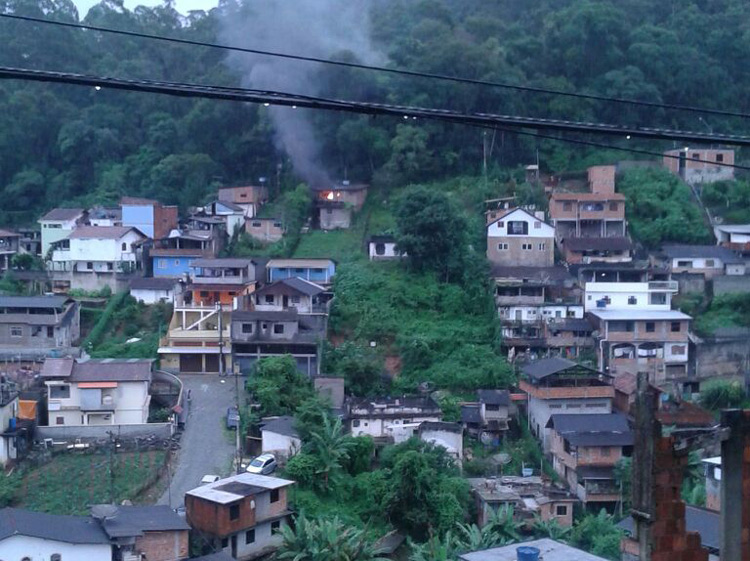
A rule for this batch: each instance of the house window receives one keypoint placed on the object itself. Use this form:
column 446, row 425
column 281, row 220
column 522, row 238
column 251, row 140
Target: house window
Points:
column 109, row 266
column 256, row 224
column 678, row 350
column 278, row 328
column 657, row 298
column 275, row 525
column 675, row 327
column 176, row 262
column 16, row 331
column 502, row 246
column 561, row 510
column 329, row 211
column 224, row 543
column 709, row 263
column 632, row 300
column 490, row 407
column 247, row 327
column 542, row 246
column 274, row 495
column 250, row 536
column 234, row 512
column 379, row 249
column 295, row 300
column 355, row 423
column 89, row 265
column 59, row 392
column 568, row 206
column 650, row 327
column 60, row 420
column 124, row 246
column 162, row 264
column 537, row 225
column 526, row 246
column 269, row 298
column 719, row 157
column 685, row 264
column 50, row 331
column 518, row 228
column 277, row 224
column 696, row 155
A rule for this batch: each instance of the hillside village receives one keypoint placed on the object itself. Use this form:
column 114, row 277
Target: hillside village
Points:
column 300, row 316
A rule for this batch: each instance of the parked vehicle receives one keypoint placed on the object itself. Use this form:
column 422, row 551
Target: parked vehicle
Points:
column 263, row 464
column 209, row 479
column 233, row 418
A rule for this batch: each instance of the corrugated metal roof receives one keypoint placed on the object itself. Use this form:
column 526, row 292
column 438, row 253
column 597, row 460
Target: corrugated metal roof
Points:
column 701, row 251
column 214, row 492
column 57, row 368
column 299, row 263
column 233, row 263
column 110, row 369
column 101, row 232
column 494, row 397
column 134, row 520
column 295, row 283
column 33, row 301
column 638, row 314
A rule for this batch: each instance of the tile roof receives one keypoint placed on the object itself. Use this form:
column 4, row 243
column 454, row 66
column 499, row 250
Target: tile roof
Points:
column 708, row 251
column 548, row 366
column 138, row 201
column 9, row 234
column 494, row 397
column 705, row 522
column 61, row 214
column 228, row 262
column 299, row 285
column 280, row 425
column 33, row 301
column 68, row 529
column 101, row 232
column 153, row 283
column 134, row 520
column 98, row 370
column 597, row 244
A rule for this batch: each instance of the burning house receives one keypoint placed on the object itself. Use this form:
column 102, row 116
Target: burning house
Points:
column 336, row 204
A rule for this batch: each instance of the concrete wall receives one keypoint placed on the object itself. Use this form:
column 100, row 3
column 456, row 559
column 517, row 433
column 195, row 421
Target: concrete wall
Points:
column 335, row 218
column 139, row 216
column 71, row 432
column 389, row 251
column 264, row 229
column 175, row 266
column 540, row 410
column 689, row 282
column 266, row 540
column 163, row 546
column 521, row 250
column 280, row 444
column 37, row 549
column 724, row 358
column 731, row 284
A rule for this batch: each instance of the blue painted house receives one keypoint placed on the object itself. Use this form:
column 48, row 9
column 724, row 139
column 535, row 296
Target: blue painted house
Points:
column 149, row 216
column 173, row 262
column 319, row 271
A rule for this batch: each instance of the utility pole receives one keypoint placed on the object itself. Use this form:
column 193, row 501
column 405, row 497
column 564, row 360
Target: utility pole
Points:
column 111, row 467
column 237, row 442
column 221, row 341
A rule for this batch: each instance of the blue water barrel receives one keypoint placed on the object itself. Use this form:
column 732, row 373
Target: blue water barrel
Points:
column 526, row 553
column 12, row 423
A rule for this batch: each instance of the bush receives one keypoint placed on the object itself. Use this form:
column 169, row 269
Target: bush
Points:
column 720, row 394
column 303, row 469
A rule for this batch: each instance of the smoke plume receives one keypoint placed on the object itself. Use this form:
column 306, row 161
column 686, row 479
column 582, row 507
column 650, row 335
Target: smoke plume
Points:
column 317, row 28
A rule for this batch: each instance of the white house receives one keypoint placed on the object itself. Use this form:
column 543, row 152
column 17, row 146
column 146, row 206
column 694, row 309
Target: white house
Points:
column 517, row 237
column 156, row 289
column 58, row 223
column 291, row 293
column 733, row 236
column 91, row 256
column 381, row 248
column 279, row 437
column 381, row 417
column 97, row 391
column 37, row 536
column 232, row 214
column 709, row 260
column 8, row 411
column 652, row 295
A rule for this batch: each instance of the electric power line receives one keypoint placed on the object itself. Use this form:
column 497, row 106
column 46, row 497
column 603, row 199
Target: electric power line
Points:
column 403, row 72
column 294, row 101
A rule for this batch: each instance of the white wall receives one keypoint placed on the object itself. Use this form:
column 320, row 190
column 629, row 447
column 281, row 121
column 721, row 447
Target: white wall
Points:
column 451, row 441
column 543, row 230
column 378, row 427
column 280, row 444
column 265, row 539
column 698, row 263
column 131, row 401
column 89, row 249
column 16, row 548
column 150, row 296
column 619, row 294
column 390, row 251
column 534, row 313
column 7, row 445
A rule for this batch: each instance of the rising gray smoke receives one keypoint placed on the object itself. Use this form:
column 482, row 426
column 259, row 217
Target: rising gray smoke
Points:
column 317, row 28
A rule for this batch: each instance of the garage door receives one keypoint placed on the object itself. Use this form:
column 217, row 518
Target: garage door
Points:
column 212, row 363
column 191, row 363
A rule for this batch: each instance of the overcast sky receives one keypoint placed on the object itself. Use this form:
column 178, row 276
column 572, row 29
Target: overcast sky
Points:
column 182, row 6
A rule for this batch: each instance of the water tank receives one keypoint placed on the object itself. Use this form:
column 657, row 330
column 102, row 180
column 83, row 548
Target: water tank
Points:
column 526, row 553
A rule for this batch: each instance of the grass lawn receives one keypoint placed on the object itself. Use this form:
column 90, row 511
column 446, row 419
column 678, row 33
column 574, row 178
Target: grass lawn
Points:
column 72, row 482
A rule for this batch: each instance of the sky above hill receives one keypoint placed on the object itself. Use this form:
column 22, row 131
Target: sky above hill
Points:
column 182, row 6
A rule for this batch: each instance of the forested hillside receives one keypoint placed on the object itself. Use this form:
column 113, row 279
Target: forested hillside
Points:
column 64, row 144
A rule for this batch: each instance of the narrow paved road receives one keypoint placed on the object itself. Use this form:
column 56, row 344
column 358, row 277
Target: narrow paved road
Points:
column 205, row 447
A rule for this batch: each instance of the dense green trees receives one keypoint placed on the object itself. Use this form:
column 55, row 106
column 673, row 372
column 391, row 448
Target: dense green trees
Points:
column 278, row 386
column 325, row 539
column 64, row 144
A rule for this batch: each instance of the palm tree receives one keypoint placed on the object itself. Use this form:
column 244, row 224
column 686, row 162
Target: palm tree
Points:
column 325, row 539
column 434, row 549
column 330, row 446
column 550, row 529
column 472, row 538
column 503, row 522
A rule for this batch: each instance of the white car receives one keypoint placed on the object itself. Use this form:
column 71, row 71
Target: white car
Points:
column 209, row 479
column 263, row 464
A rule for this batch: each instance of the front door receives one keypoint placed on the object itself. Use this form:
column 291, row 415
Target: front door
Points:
column 234, row 546
column 286, row 301
column 519, row 315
